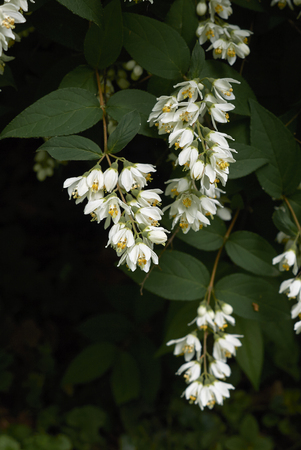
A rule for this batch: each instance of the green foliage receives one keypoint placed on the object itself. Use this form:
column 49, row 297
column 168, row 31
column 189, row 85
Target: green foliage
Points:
column 251, row 252
column 69, row 148
column 90, row 364
column 197, row 62
column 88, row 9
column 250, row 354
column 252, row 298
column 209, row 238
column 126, row 130
column 179, row 277
column 103, row 43
column 63, row 112
column 82, row 77
column 130, row 100
column 155, row 46
column 248, row 159
column 182, row 18
column 125, row 379
column 280, row 176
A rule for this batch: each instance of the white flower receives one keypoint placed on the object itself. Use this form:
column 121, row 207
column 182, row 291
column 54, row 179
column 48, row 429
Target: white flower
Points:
column 110, row 178
column 139, row 254
column 190, row 90
column 149, row 197
column 192, row 371
column 282, row 3
column 157, row 235
column 188, row 113
column 296, row 310
column 20, row 3
column 219, row 369
column 177, row 186
column 149, row 215
column 208, row 393
column 225, row 346
column 165, row 104
column 180, row 137
column 120, row 237
column 108, row 207
column 188, row 156
column 136, row 176
column 220, row 7
column 297, row 327
column 218, row 110
column 208, row 31
column 221, row 319
column 291, row 287
column 222, row 88
column 187, row 346
column 205, row 317
column 287, row 260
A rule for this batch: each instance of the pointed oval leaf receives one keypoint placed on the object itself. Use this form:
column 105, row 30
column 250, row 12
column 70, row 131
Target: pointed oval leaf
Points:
column 197, row 62
column 252, row 252
column 208, row 238
column 133, row 100
column 282, row 174
column 178, row 277
column 125, row 379
column 252, row 298
column 103, row 44
column 156, row 46
column 250, row 355
column 71, row 148
column 125, row 131
column 63, row 112
column 90, row 364
column 88, row 9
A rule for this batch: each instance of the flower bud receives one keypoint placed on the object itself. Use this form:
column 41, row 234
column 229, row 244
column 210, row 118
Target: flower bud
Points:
column 226, row 308
column 201, row 8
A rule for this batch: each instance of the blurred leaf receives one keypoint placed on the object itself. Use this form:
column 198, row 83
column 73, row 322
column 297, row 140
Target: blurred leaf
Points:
column 182, row 17
column 155, row 46
column 250, row 354
column 90, row 364
column 251, row 252
column 208, row 238
column 63, row 112
column 103, row 44
column 252, row 298
column 76, row 148
column 125, row 378
column 125, row 131
column 88, row 9
column 282, row 220
column 8, row 443
column 249, row 428
column 130, row 100
column 282, row 174
column 87, row 419
column 178, row 277
column 254, row 5
column 47, row 442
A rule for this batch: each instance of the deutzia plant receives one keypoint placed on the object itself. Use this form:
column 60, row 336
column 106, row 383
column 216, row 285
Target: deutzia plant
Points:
column 164, row 135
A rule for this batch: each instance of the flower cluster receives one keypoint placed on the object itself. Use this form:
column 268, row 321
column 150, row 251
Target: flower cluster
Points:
column 290, row 259
column 10, row 14
column 204, row 373
column 227, row 41
column 120, row 198
column 204, row 153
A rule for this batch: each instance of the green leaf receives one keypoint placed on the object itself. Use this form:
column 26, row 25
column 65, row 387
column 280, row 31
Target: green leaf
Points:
column 63, row 112
column 182, row 17
column 87, row 420
column 90, row 364
column 282, row 174
column 250, row 355
column 103, row 44
column 155, row 46
column 249, row 428
column 252, row 298
column 128, row 100
column 82, row 77
column 247, row 158
column 235, row 443
column 125, row 131
column 282, row 220
column 125, row 378
column 88, row 9
column 208, row 238
column 295, row 202
column 157, row 85
column 252, row 252
column 71, row 148
column 197, row 62
column 112, row 327
column 8, row 443
column 178, row 277
column 242, row 91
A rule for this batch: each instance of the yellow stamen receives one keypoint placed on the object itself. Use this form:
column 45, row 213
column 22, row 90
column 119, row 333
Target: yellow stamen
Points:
column 187, row 202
